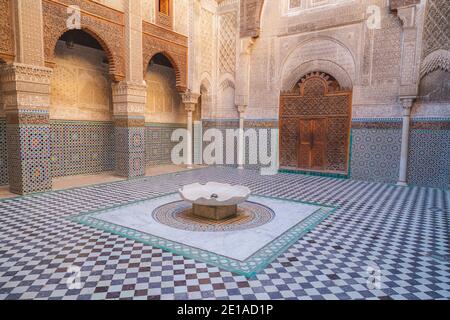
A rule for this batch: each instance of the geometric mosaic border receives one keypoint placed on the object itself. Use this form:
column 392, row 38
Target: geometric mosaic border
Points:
column 248, row 268
column 3, row 154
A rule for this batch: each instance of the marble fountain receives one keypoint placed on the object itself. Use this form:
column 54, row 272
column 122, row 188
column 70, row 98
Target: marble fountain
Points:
column 213, row 200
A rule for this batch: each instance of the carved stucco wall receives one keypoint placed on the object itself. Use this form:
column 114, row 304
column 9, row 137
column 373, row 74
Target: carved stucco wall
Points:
column 434, row 86
column 163, row 100
column 173, row 45
column 330, row 38
column 148, row 10
column 203, row 53
column 115, row 4
column 206, row 41
column 6, row 31
column 180, row 16
column 105, row 24
column 80, row 85
column 226, row 50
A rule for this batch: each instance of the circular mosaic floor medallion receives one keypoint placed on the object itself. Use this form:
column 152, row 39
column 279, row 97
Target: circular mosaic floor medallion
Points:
column 179, row 215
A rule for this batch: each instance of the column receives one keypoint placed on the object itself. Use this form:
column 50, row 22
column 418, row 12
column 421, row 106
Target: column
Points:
column 241, row 141
column 409, row 72
column 242, row 92
column 129, row 128
column 243, row 71
column 407, row 103
column 26, row 93
column 129, row 100
column 189, row 99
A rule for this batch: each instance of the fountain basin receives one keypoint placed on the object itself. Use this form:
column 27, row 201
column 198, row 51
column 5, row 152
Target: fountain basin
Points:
column 213, row 200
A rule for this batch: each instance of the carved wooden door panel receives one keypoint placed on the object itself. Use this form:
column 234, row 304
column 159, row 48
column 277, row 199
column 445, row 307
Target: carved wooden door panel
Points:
column 315, row 119
column 319, row 143
column 305, row 144
column 312, row 144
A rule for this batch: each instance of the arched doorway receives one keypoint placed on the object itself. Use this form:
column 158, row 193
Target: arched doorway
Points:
column 82, row 133
column 164, row 110
column 315, row 125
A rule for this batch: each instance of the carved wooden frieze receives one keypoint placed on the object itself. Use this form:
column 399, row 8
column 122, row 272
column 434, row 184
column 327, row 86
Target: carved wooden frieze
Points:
column 395, row 4
column 105, row 24
column 250, row 17
column 173, row 45
column 6, row 31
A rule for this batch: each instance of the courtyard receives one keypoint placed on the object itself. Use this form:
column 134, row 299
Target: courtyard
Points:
column 381, row 242
column 251, row 150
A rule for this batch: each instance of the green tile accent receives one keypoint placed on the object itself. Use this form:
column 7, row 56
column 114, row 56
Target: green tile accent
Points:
column 317, row 174
column 248, row 268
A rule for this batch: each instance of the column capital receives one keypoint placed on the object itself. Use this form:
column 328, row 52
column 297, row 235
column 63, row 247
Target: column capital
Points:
column 125, row 86
column 28, row 72
column 242, row 109
column 246, row 45
column 189, row 97
column 407, row 103
column 129, row 98
column 408, row 16
column 25, row 86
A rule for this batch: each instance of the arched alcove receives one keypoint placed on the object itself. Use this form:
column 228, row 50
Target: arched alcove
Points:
column 164, row 110
column 81, row 106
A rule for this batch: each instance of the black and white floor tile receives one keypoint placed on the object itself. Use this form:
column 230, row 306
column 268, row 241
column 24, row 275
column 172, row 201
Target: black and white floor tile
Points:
column 384, row 242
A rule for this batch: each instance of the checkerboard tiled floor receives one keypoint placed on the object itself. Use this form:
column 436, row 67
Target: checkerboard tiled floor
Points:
column 401, row 233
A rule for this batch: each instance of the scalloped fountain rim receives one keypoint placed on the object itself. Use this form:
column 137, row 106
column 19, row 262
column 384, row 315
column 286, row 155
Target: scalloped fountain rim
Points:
column 214, row 194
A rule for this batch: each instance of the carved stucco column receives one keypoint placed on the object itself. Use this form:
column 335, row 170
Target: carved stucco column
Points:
column 407, row 103
column 26, row 90
column 409, row 72
column 409, row 77
column 190, row 100
column 129, row 122
column 26, row 97
column 241, row 142
column 242, row 92
column 243, row 72
column 129, row 100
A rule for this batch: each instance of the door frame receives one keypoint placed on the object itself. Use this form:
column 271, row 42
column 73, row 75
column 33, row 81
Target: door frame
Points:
column 347, row 143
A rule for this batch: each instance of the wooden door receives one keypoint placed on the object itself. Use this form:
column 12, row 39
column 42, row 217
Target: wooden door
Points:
column 312, row 144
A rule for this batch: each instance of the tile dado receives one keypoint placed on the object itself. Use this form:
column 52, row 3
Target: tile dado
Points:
column 251, row 154
column 158, row 144
column 80, row 147
column 3, row 154
column 429, row 158
column 376, row 151
column 429, row 153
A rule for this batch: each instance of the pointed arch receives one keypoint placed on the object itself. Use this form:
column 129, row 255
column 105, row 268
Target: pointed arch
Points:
column 104, row 24
column 178, row 75
column 109, row 54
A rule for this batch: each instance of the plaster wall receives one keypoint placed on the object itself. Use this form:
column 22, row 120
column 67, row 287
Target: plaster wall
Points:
column 80, row 85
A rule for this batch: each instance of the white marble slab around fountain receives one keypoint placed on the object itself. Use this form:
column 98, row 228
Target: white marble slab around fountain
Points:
column 239, row 244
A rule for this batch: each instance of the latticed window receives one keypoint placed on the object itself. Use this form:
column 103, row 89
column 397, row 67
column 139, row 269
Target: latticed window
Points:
column 164, row 6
